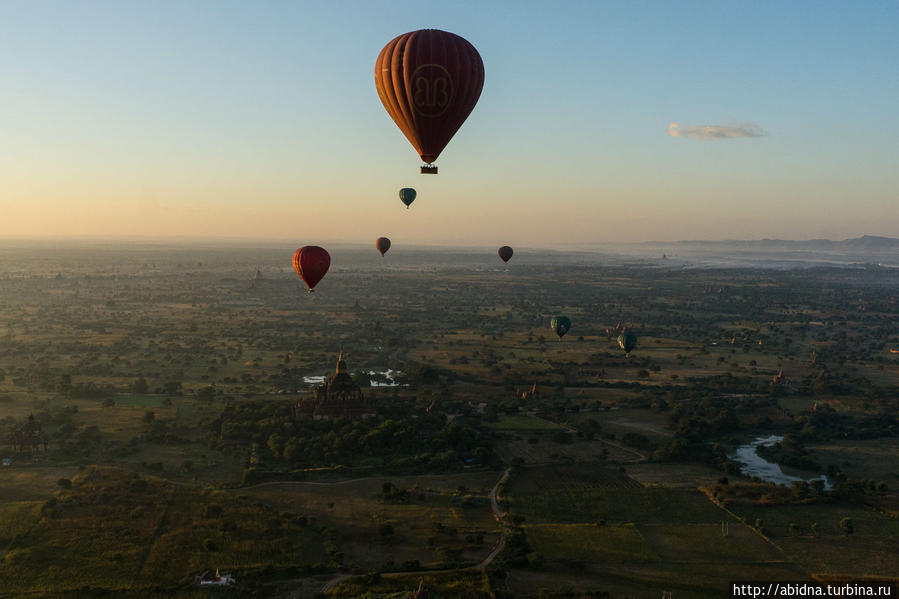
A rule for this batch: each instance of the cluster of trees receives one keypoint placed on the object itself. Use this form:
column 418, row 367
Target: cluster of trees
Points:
column 394, row 443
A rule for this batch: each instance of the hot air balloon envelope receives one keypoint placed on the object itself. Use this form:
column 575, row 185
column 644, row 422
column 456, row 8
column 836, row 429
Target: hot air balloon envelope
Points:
column 505, row 253
column 429, row 81
column 560, row 324
column 627, row 342
column 383, row 244
column 407, row 196
column 311, row 263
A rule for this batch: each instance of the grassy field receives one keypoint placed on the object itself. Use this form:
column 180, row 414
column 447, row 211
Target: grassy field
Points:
column 535, row 449
column 703, row 543
column 118, row 531
column 438, row 525
column 589, row 543
column 524, row 424
column 819, row 543
column 673, row 474
column 17, row 518
column 471, row 585
column 874, row 459
column 580, row 494
column 620, row 421
column 27, row 481
column 647, row 580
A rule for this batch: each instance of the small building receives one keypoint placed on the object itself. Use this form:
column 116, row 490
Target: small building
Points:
column 338, row 397
column 529, row 394
column 780, row 379
column 421, row 592
column 216, row 579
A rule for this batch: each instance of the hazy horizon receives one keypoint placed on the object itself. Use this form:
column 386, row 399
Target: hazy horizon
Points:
column 357, row 242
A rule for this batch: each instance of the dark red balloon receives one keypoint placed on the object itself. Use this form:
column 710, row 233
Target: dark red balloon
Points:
column 383, row 244
column 311, row 263
column 505, row 253
column 429, row 81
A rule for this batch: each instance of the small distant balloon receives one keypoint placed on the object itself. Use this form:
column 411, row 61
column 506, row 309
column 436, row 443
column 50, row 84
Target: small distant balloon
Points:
column 560, row 324
column 382, row 244
column 407, row 196
column 311, row 263
column 627, row 342
column 505, row 253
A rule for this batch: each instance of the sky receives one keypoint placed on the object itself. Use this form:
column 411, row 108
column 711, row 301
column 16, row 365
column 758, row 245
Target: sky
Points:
column 599, row 122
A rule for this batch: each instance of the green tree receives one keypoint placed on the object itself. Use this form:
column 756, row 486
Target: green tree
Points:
column 846, row 526
column 140, row 386
column 385, row 529
column 172, row 388
column 276, row 444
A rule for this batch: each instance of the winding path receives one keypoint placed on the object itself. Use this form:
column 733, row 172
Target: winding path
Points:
column 498, row 514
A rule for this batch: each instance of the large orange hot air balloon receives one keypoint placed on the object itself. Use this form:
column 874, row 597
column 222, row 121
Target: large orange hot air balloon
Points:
column 429, row 81
column 505, row 253
column 311, row 263
column 382, row 244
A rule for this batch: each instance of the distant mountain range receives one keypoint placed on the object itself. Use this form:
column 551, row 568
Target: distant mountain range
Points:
column 866, row 243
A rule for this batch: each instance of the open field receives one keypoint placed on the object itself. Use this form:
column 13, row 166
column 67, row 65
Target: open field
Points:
column 580, row 495
column 874, row 459
column 472, row 585
column 31, row 482
column 120, row 531
column 437, row 525
column 648, row 580
column 673, row 475
column 589, row 543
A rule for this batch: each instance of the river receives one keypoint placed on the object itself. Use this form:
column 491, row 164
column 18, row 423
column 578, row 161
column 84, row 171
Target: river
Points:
column 756, row 465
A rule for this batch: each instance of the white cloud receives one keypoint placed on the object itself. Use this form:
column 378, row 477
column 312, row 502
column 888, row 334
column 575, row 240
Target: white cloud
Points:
column 712, row 132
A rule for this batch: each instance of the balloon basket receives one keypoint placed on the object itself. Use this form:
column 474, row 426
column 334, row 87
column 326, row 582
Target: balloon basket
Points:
column 428, row 169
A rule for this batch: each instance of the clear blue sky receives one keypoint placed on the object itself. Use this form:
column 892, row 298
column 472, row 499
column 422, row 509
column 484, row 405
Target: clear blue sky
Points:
column 261, row 120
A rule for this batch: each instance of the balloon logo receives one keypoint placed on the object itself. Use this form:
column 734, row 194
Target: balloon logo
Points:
column 505, row 253
column 432, row 90
column 382, row 244
column 429, row 82
column 311, row 263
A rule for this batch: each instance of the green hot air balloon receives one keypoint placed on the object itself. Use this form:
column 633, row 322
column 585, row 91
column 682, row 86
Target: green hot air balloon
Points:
column 627, row 342
column 407, row 196
column 560, row 324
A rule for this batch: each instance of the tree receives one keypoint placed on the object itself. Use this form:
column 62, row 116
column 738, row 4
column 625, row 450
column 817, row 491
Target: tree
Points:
column 140, row 386
column 291, row 451
column 846, row 526
column 385, row 529
column 276, row 444
column 172, row 388
column 64, row 385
